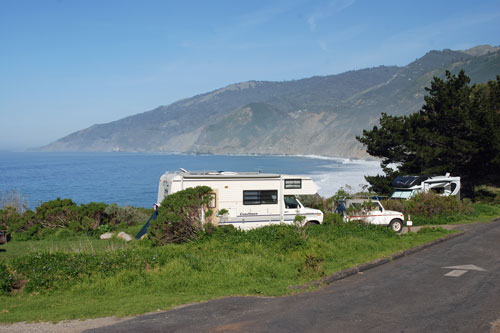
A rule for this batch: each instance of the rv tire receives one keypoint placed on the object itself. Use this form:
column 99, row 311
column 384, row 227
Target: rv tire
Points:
column 310, row 223
column 396, row 225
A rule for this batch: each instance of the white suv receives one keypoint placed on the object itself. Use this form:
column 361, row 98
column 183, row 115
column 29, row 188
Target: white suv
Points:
column 370, row 211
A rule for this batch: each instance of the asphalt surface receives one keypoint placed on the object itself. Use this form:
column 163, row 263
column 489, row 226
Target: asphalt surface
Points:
column 412, row 293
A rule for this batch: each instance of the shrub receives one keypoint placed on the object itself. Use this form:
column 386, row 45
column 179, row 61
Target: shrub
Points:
column 9, row 218
column 131, row 215
column 397, row 205
column 332, row 218
column 90, row 219
column 93, row 215
column 313, row 201
column 6, row 279
column 487, row 194
column 179, row 216
column 431, row 205
column 56, row 213
column 127, row 215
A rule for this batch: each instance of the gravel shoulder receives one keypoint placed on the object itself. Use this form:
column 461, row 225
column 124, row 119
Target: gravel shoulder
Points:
column 62, row 326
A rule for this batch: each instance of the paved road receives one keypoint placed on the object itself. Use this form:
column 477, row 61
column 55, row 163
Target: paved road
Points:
column 407, row 295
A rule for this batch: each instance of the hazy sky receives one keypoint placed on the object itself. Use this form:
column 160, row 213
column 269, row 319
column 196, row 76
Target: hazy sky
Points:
column 66, row 65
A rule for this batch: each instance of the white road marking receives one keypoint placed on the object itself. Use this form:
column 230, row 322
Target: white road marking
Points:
column 455, row 273
column 467, row 268
column 461, row 270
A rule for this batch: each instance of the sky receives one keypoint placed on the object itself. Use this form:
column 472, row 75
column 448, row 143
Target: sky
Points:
column 66, row 65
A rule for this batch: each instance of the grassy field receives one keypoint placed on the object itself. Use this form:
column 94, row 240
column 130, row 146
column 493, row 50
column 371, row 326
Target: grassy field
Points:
column 75, row 244
column 92, row 278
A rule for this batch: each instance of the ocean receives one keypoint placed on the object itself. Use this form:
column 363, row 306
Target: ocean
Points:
column 132, row 178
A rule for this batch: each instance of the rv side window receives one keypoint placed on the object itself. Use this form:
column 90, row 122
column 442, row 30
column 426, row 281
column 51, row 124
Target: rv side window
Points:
column 260, row 197
column 293, row 183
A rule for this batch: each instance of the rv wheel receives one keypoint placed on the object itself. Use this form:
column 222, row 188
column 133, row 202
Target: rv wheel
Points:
column 310, row 223
column 396, row 225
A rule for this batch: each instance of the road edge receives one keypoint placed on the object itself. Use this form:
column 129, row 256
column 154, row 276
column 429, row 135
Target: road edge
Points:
column 374, row 263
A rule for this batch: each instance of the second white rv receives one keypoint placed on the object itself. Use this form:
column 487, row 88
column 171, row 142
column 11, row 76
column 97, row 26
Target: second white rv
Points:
column 406, row 187
column 251, row 199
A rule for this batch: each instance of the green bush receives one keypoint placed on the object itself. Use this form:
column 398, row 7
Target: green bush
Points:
column 6, row 279
column 431, row 205
column 179, row 216
column 30, row 233
column 127, row 215
column 487, row 194
column 57, row 213
column 92, row 219
column 313, row 201
column 9, row 218
column 332, row 218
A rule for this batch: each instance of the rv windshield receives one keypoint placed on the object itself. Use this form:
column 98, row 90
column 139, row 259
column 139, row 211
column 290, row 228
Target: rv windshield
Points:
column 401, row 194
column 291, row 202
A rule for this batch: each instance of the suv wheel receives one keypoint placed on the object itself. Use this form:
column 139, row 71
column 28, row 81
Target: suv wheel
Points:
column 396, row 225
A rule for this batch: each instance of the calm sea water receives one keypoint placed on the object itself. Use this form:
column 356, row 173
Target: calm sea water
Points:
column 132, row 178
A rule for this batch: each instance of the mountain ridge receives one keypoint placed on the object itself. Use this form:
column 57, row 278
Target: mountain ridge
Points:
column 318, row 115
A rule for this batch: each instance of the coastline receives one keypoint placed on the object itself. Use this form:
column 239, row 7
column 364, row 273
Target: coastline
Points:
column 176, row 153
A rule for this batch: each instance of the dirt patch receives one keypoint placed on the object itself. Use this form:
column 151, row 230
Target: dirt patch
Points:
column 495, row 326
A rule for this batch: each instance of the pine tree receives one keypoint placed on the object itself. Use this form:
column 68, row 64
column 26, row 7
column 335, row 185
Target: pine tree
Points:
column 457, row 130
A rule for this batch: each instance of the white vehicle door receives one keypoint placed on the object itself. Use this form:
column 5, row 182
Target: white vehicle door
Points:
column 292, row 208
column 375, row 214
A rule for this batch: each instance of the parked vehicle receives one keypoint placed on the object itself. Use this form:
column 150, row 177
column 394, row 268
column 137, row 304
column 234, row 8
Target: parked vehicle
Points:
column 408, row 186
column 370, row 211
column 248, row 199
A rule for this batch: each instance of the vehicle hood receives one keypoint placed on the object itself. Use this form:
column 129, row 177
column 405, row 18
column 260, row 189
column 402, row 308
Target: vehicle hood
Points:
column 393, row 212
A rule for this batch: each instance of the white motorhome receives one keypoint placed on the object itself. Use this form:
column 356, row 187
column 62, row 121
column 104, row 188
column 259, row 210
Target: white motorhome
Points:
column 408, row 186
column 251, row 199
